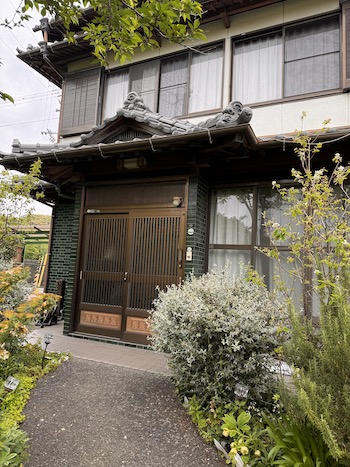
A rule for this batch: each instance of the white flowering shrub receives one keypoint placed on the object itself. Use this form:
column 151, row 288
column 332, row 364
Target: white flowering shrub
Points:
column 220, row 332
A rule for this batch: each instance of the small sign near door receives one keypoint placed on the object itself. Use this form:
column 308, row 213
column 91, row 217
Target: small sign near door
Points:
column 188, row 253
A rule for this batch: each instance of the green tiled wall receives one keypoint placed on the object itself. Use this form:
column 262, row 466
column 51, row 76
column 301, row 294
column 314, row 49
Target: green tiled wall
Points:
column 63, row 254
column 197, row 220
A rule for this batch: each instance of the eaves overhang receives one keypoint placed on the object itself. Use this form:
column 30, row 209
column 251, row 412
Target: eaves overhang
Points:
column 206, row 139
column 52, row 55
column 136, row 129
column 51, row 59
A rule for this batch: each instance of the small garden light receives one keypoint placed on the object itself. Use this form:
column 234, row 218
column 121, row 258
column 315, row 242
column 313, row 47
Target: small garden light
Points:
column 11, row 384
column 47, row 340
column 241, row 391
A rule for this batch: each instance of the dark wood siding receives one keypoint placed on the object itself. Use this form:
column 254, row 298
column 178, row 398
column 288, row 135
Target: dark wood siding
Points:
column 80, row 102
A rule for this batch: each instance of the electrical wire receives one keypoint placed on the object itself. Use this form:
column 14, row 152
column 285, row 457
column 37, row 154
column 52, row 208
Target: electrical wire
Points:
column 28, row 123
column 330, row 141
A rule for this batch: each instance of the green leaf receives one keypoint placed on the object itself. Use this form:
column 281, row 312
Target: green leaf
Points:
column 243, row 418
column 6, row 97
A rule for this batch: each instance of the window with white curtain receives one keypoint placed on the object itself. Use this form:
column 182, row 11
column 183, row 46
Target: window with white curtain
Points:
column 296, row 60
column 185, row 83
column 116, row 90
column 237, row 230
column 206, row 80
column 257, row 69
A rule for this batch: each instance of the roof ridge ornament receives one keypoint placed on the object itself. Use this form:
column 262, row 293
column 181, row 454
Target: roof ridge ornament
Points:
column 234, row 112
column 134, row 102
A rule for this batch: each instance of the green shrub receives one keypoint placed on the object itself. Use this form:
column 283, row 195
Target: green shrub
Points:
column 219, row 332
column 236, row 429
column 14, row 287
column 27, row 368
column 297, row 445
column 322, row 377
column 13, row 452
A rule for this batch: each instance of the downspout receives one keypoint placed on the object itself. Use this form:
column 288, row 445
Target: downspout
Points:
column 49, row 250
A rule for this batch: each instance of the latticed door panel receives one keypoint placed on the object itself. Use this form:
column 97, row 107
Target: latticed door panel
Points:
column 103, row 270
column 155, row 257
column 105, row 258
column 125, row 258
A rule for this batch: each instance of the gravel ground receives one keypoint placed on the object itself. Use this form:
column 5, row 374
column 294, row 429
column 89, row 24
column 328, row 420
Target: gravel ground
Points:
column 88, row 413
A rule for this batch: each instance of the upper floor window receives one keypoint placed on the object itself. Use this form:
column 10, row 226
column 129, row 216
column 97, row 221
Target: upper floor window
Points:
column 296, row 60
column 175, row 86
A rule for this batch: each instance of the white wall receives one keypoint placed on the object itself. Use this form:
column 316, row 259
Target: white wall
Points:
column 285, row 117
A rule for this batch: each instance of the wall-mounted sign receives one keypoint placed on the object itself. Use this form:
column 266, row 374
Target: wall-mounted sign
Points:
column 188, row 253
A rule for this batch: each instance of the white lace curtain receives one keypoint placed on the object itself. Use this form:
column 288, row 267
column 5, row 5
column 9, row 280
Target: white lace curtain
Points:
column 308, row 63
column 257, row 70
column 206, row 81
column 116, row 90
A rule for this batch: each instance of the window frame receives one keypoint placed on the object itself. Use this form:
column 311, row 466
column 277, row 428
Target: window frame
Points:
column 282, row 30
column 345, row 44
column 252, row 247
column 309, row 300
column 159, row 60
column 73, row 84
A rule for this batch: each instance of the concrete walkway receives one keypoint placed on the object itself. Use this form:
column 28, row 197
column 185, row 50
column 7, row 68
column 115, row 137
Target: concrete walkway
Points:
column 100, row 409
column 128, row 357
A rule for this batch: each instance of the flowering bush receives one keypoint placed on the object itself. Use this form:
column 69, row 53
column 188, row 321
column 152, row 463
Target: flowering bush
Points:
column 18, row 308
column 14, row 288
column 220, row 332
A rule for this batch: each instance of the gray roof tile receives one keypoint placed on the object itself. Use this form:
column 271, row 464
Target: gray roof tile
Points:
column 134, row 109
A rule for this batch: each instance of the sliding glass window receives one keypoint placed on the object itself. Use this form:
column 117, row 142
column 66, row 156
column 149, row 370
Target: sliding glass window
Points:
column 295, row 60
column 179, row 85
column 237, row 231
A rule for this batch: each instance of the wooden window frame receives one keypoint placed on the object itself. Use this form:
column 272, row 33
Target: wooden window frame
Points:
column 157, row 85
column 75, row 79
column 345, row 44
column 342, row 84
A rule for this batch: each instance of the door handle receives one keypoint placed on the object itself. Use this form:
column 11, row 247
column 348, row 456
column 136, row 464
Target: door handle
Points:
column 179, row 258
column 125, row 278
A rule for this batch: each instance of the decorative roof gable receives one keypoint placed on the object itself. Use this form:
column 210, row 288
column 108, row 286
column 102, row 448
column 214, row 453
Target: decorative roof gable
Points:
column 136, row 121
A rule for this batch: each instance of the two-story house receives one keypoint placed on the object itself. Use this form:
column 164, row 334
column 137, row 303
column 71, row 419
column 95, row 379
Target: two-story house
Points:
column 161, row 171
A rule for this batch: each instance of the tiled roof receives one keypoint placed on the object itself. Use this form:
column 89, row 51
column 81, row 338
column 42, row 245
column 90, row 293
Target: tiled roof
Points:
column 136, row 110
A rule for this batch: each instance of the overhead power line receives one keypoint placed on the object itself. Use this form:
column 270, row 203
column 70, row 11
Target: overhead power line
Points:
column 31, row 100
column 28, row 123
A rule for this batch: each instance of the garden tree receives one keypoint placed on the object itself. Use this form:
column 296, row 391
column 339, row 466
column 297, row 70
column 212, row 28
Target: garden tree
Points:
column 319, row 257
column 15, row 207
column 121, row 26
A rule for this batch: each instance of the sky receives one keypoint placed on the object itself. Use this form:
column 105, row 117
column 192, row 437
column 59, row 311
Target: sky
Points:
column 34, row 116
